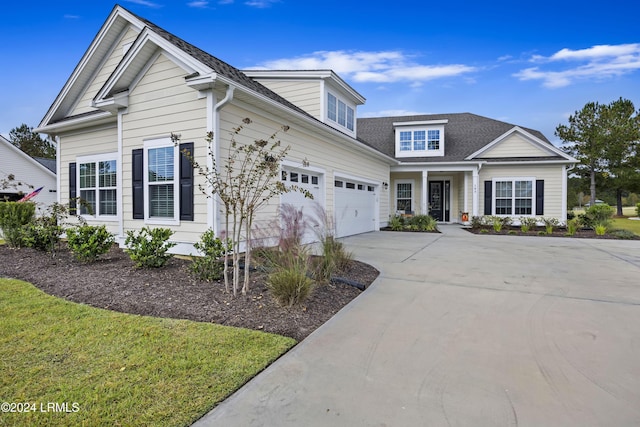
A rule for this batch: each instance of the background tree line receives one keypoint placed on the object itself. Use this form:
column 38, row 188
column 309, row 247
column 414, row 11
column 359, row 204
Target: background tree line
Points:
column 605, row 139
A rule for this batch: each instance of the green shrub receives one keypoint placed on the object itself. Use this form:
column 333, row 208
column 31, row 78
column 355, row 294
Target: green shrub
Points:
column 88, row 242
column 601, row 229
column 571, row 215
column 572, row 226
column 484, row 231
column 424, row 223
column 600, row 214
column 396, row 223
column 44, row 233
column 210, row 265
column 289, row 283
column 527, row 223
column 512, row 232
column 499, row 222
column 638, row 209
column 542, row 233
column 476, row 222
column 623, row 234
column 550, row 224
column 149, row 246
column 13, row 217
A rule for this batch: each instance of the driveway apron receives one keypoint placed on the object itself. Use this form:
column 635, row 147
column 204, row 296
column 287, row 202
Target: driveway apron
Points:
column 466, row 330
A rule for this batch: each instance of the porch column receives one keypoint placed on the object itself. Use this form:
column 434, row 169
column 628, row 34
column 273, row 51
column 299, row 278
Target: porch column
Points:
column 476, row 192
column 424, row 205
column 465, row 205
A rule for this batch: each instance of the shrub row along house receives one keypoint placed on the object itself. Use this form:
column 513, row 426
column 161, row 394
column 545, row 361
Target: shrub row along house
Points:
column 138, row 84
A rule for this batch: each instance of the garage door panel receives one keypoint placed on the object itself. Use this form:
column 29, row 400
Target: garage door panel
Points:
column 355, row 207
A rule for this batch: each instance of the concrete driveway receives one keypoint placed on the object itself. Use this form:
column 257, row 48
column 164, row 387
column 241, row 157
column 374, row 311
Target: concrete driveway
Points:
column 466, row 330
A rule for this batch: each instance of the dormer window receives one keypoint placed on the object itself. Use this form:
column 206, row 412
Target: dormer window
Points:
column 339, row 112
column 420, row 139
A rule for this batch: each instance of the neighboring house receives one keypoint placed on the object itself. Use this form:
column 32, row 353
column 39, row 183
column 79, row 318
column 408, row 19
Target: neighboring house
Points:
column 455, row 165
column 28, row 174
column 137, row 84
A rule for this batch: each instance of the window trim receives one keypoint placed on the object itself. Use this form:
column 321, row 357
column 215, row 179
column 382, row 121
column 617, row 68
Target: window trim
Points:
column 341, row 119
column 513, row 180
column 96, row 159
column 153, row 144
column 412, row 182
column 413, row 147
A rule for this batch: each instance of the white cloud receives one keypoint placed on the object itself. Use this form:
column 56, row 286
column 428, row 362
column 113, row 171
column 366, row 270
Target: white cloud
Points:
column 146, row 3
column 198, row 4
column 261, row 4
column 69, row 16
column 368, row 67
column 599, row 62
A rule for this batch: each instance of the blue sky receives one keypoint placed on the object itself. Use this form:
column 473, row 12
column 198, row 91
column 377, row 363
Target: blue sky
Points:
column 527, row 63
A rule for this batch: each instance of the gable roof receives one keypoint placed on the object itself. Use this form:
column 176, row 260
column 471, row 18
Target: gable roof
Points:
column 465, row 134
column 6, row 145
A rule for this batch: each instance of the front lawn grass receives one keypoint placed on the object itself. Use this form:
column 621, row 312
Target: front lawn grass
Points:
column 626, row 224
column 120, row 369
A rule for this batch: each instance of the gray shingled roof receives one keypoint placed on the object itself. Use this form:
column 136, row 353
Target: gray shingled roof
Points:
column 219, row 66
column 47, row 163
column 465, row 133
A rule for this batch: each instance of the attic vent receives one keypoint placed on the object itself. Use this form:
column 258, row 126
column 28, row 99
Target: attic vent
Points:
column 125, row 48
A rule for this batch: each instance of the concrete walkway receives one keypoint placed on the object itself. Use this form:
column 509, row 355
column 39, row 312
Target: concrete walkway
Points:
column 466, row 330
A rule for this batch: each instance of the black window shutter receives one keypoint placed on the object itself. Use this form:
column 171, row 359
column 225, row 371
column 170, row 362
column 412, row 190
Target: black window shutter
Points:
column 186, row 181
column 539, row 197
column 138, row 183
column 488, row 197
column 73, row 192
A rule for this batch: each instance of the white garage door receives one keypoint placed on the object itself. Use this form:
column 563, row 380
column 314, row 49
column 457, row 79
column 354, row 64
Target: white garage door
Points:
column 312, row 182
column 355, row 204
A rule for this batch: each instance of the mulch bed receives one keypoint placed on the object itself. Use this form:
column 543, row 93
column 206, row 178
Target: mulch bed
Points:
column 540, row 231
column 114, row 283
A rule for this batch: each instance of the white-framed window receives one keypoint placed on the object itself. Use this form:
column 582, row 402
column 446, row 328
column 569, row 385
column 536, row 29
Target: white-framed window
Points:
column 340, row 112
column 420, row 139
column 161, row 163
column 404, row 195
column 433, row 139
column 514, row 196
column 97, row 178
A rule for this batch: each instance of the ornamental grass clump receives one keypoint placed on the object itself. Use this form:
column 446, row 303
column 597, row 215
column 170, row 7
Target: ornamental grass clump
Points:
column 550, row 224
column 88, row 242
column 572, row 226
column 148, row 248
column 289, row 283
column 527, row 223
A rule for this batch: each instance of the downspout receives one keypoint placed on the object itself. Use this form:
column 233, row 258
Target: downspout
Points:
column 565, row 190
column 120, row 203
column 58, row 170
column 214, row 149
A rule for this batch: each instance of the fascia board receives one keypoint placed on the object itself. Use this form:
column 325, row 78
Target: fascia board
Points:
column 535, row 140
column 93, row 119
column 149, row 40
column 117, row 12
column 21, row 153
column 310, row 120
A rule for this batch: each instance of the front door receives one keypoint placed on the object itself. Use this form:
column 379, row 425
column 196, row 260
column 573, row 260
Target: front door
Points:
column 439, row 200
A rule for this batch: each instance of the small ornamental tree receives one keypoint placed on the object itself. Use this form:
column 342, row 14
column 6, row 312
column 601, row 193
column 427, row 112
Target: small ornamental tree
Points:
column 245, row 180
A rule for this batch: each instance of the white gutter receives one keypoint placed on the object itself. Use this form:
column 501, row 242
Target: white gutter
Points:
column 213, row 125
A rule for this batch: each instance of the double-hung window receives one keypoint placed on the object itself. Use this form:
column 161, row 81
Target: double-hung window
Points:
column 339, row 112
column 433, row 139
column 514, row 196
column 161, row 180
column 404, row 196
column 97, row 179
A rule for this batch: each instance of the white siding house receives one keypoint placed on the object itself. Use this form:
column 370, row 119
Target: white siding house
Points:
column 138, row 85
column 24, row 174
